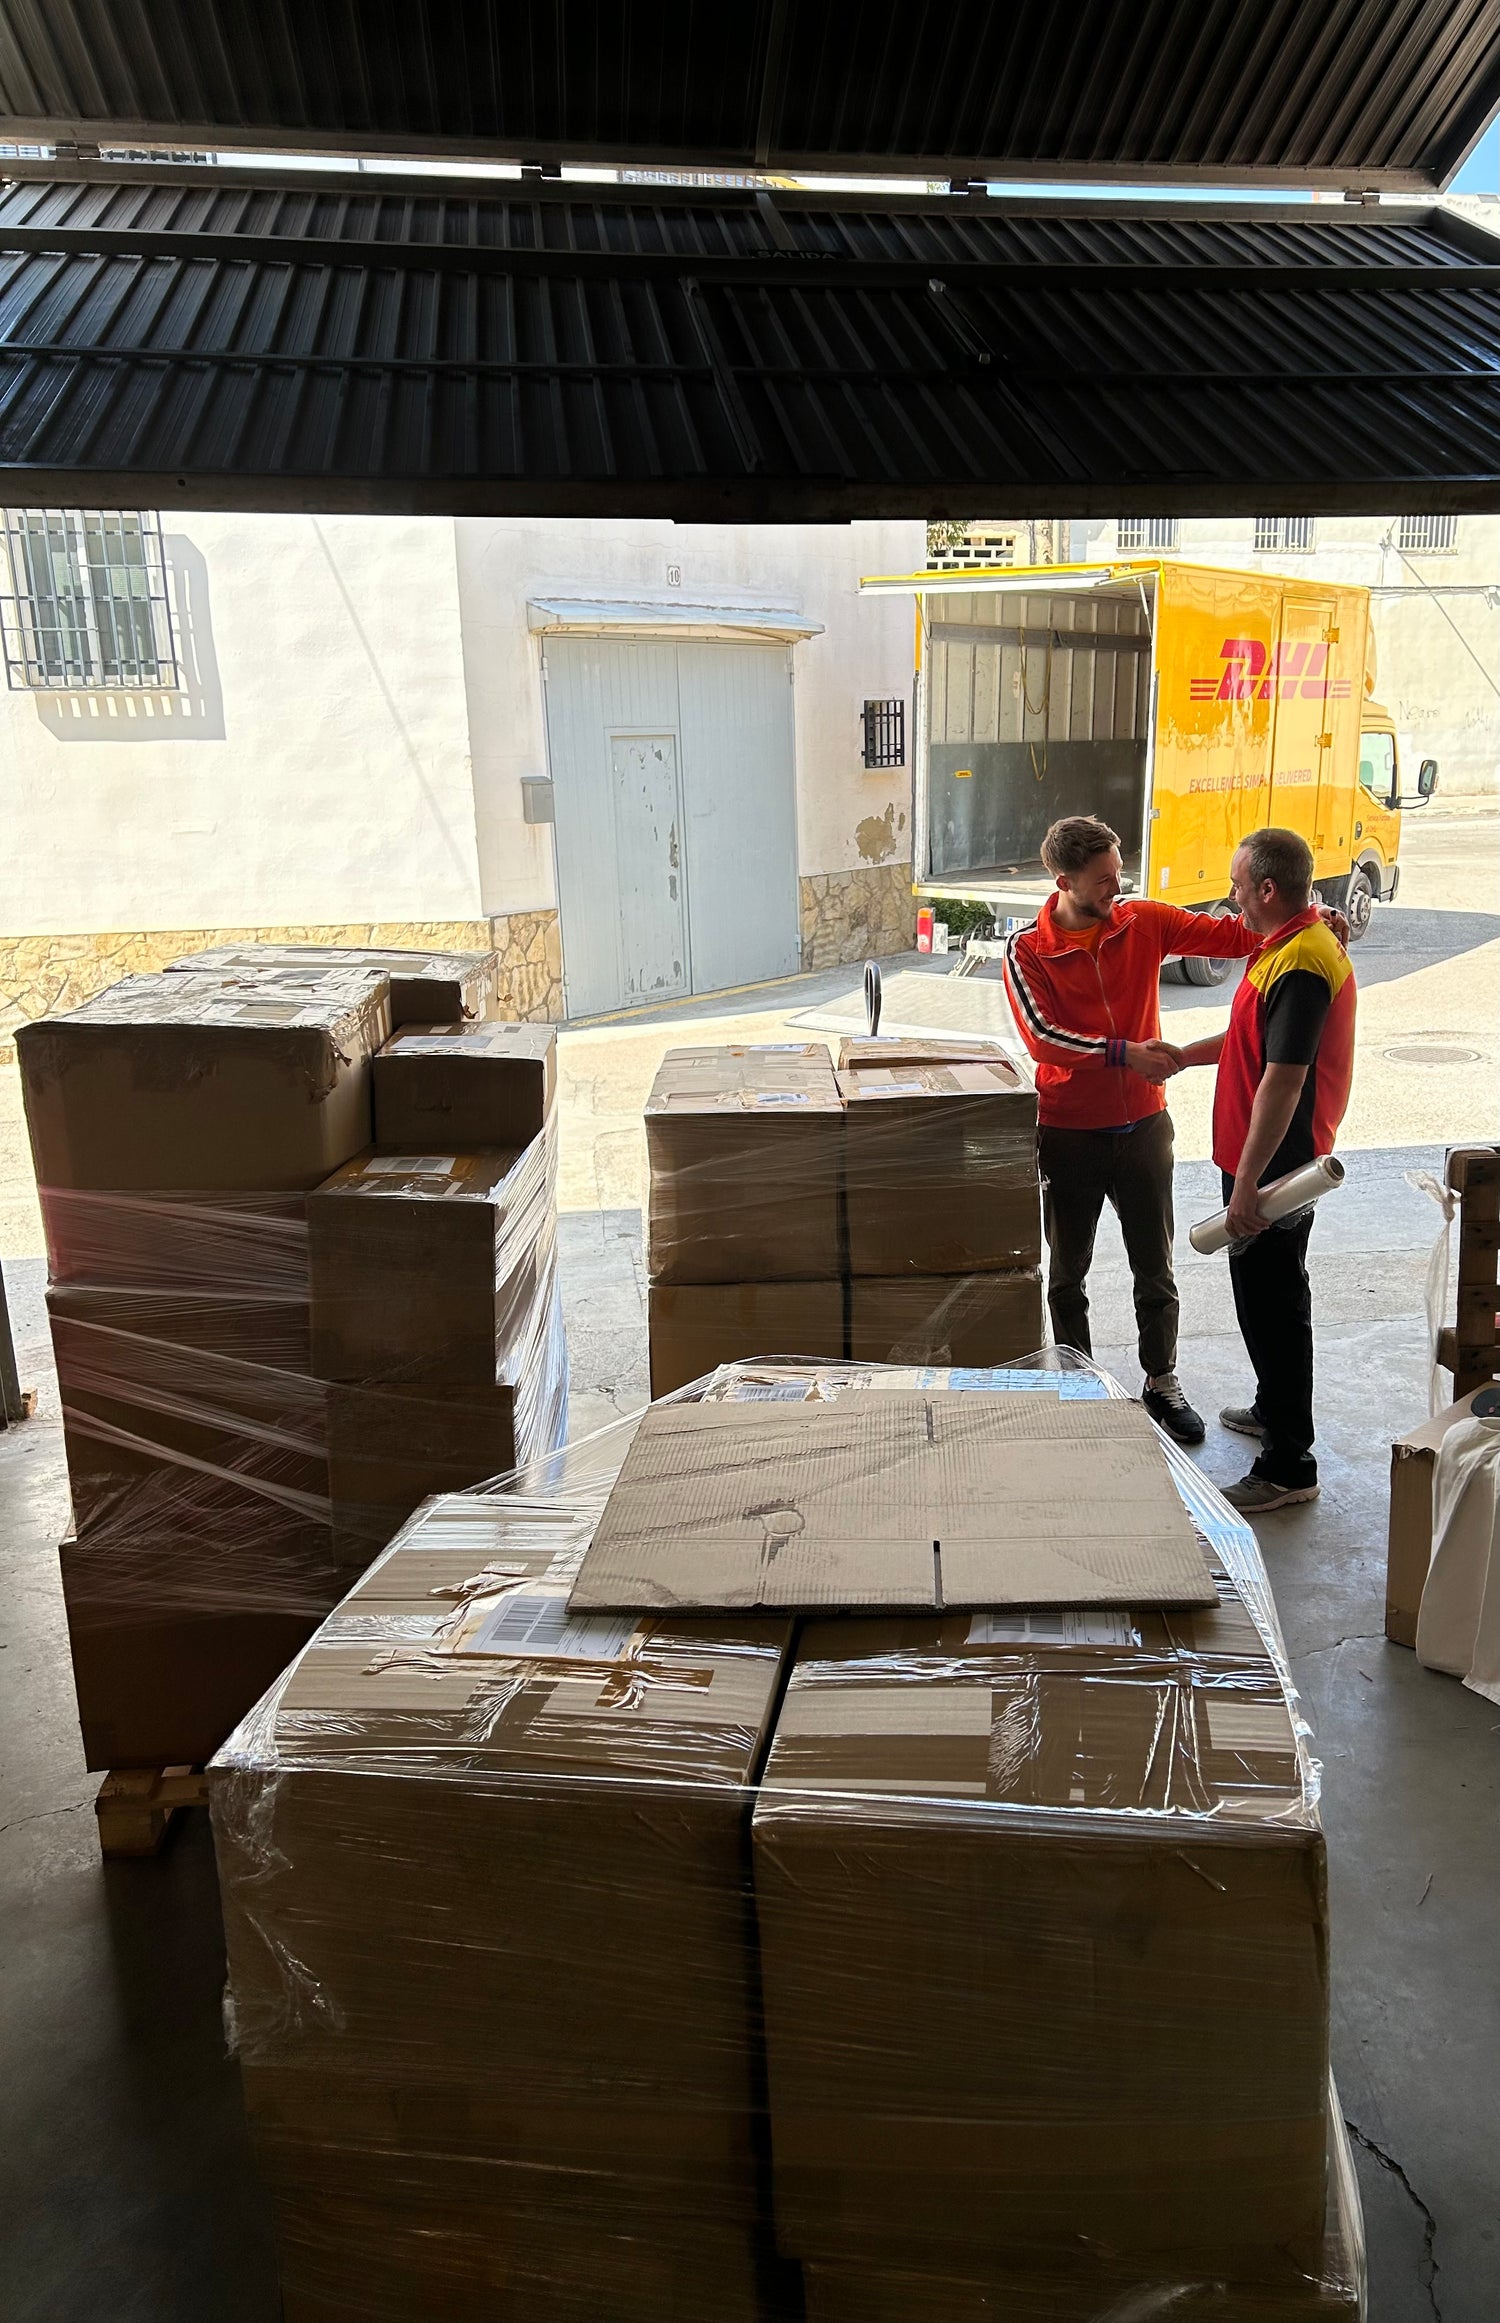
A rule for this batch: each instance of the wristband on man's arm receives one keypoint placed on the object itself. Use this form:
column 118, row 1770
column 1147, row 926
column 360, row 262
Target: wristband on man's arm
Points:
column 1114, row 1052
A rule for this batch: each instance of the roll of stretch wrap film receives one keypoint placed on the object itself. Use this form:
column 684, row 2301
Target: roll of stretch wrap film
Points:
column 1277, row 1200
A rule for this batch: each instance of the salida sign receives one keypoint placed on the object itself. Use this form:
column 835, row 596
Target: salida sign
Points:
column 1253, row 673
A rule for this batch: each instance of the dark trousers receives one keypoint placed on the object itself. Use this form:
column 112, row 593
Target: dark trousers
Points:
column 1273, row 1300
column 1082, row 1169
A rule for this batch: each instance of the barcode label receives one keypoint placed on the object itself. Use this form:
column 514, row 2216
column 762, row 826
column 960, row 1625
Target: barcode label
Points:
column 529, row 1623
column 412, row 1165
column 1084, row 1625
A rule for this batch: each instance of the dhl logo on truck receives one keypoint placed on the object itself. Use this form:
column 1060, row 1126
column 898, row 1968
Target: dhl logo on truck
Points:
column 1252, row 673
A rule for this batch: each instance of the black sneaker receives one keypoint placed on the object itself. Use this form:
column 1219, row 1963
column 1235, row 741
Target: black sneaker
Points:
column 1169, row 1407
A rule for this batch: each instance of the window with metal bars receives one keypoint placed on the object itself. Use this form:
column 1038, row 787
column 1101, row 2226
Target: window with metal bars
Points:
column 88, row 604
column 1146, row 532
column 1284, row 535
column 1427, row 535
column 885, row 733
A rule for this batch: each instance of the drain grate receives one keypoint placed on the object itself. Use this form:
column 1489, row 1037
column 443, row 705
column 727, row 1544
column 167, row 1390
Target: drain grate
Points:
column 1431, row 1053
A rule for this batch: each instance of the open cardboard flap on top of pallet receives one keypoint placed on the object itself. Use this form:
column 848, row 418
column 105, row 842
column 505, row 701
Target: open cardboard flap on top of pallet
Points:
column 932, row 1498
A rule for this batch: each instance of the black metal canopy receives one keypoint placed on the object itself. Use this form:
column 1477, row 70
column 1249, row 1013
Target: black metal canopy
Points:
column 403, row 346
column 1368, row 92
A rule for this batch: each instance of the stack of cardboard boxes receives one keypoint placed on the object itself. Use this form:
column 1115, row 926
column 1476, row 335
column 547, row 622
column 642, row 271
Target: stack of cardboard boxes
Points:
column 182, row 1127
column 522, row 2076
column 889, row 1212
column 688, row 1966
column 744, row 1234
column 942, row 1204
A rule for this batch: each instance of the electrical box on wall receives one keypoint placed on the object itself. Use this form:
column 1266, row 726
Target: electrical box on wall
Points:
column 536, row 798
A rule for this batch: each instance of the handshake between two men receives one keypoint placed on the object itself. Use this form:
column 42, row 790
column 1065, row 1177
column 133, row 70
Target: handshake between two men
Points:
column 1083, row 981
column 1154, row 1060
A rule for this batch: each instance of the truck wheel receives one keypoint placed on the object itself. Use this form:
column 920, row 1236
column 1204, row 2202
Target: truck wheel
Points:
column 1198, row 970
column 1359, row 902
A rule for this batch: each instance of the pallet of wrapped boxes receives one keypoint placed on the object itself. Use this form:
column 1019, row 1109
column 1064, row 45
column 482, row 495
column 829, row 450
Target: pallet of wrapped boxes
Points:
column 230, row 1475
column 888, row 1212
column 691, row 1967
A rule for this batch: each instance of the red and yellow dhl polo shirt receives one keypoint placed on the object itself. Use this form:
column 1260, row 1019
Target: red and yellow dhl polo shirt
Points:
column 1294, row 1006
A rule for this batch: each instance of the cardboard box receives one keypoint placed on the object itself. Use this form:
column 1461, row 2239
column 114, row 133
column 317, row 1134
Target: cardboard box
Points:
column 175, row 1082
column 1409, row 1541
column 745, row 1152
column 508, row 1853
column 425, row 987
column 131, row 1322
column 423, row 1266
column 1043, row 1931
column 929, row 1498
column 972, row 1320
column 940, row 1169
column 697, row 1326
column 147, row 1420
column 180, row 1616
column 440, row 1087
column 1095, row 2285
column 928, row 1049
column 390, row 1448
column 191, row 1246
column 363, row 2235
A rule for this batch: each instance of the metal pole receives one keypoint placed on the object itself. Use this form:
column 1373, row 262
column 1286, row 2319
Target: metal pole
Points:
column 12, row 1407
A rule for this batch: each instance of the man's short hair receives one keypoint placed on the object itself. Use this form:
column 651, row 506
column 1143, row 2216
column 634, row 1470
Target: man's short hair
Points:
column 1074, row 842
column 1283, row 857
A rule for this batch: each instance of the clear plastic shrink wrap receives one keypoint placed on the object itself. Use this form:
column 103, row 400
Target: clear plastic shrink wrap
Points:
column 646, row 1969
column 888, row 1210
column 229, row 1484
column 424, row 987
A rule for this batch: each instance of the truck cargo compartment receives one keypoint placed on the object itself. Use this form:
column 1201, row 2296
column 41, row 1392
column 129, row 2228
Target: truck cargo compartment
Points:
column 1039, row 706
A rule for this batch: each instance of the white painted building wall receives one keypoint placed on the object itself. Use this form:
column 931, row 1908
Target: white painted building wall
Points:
column 865, row 650
column 314, row 770
column 361, row 698
column 1436, row 618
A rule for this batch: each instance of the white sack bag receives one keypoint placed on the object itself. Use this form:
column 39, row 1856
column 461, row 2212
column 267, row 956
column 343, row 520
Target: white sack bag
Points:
column 1458, row 1625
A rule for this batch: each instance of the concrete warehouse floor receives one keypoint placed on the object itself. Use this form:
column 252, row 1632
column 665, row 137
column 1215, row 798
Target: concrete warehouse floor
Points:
column 125, row 2175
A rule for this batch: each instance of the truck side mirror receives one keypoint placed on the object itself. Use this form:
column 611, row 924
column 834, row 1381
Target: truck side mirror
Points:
column 1427, row 774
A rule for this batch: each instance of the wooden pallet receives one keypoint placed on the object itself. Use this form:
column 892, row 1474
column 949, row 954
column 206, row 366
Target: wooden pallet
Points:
column 1468, row 1348
column 136, row 1806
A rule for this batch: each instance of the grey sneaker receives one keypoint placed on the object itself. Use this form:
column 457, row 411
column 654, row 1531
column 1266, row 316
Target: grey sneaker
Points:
column 1244, row 1420
column 1257, row 1495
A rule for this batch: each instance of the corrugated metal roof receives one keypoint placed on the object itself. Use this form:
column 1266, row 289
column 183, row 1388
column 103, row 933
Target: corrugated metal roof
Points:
column 582, row 357
column 1392, row 90
column 635, row 222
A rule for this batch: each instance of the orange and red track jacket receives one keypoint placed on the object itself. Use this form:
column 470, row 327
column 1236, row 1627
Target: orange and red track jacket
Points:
column 1077, row 1009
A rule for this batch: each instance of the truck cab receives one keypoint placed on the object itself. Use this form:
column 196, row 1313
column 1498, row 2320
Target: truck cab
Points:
column 1378, row 807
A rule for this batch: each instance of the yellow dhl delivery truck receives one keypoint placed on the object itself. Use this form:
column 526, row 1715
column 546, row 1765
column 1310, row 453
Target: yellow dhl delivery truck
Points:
column 1185, row 704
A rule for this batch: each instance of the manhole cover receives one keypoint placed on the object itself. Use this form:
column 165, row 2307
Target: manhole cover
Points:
column 1431, row 1053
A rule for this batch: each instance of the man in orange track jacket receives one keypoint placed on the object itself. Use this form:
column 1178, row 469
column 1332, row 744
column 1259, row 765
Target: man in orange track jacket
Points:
column 1082, row 980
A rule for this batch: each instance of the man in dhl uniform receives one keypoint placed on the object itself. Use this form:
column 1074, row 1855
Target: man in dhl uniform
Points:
column 1285, row 1065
